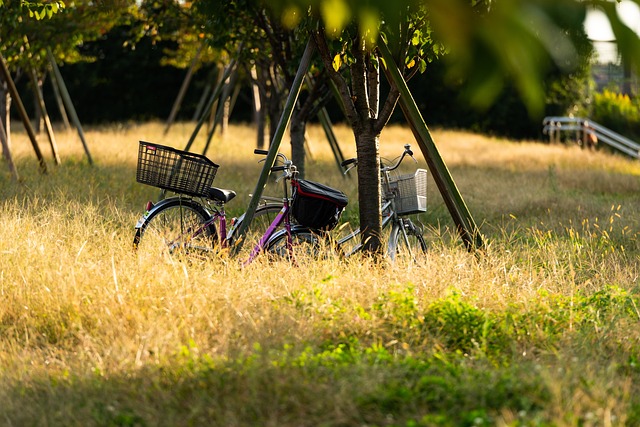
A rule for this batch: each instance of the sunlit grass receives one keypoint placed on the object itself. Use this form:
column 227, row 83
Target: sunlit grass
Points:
column 540, row 328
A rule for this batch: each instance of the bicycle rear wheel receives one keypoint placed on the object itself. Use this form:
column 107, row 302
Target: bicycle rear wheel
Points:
column 410, row 242
column 179, row 225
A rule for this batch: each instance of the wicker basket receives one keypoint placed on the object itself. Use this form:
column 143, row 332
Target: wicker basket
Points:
column 175, row 170
column 411, row 192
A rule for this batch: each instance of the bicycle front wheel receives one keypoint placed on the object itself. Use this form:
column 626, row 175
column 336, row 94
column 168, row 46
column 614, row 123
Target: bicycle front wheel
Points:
column 264, row 216
column 406, row 239
column 178, row 225
column 304, row 244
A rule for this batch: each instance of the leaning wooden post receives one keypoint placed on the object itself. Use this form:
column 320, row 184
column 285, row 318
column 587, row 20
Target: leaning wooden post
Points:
column 220, row 112
column 23, row 113
column 7, row 153
column 69, row 104
column 212, row 99
column 56, row 92
column 453, row 199
column 43, row 110
column 325, row 121
column 183, row 90
column 305, row 63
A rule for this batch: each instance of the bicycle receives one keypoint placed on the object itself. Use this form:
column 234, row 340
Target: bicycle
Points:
column 187, row 221
column 402, row 196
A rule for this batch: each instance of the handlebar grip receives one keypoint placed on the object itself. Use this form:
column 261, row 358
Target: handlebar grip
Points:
column 348, row 162
column 259, row 151
column 278, row 168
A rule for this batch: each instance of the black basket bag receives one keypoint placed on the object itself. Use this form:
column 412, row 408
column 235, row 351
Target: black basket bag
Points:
column 316, row 205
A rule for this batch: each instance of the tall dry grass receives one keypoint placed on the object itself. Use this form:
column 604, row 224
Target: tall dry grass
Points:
column 92, row 333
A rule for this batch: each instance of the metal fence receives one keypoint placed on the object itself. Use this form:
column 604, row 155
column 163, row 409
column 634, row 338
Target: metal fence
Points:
column 583, row 130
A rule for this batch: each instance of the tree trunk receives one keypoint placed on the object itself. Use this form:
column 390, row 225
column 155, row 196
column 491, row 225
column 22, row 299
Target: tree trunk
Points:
column 258, row 110
column 361, row 101
column 297, row 129
column 261, row 124
column 273, row 115
column 5, row 114
column 369, row 192
column 7, row 154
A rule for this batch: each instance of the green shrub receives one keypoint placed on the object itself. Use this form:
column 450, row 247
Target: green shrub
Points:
column 618, row 112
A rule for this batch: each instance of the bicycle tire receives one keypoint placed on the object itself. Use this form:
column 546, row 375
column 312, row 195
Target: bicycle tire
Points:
column 263, row 217
column 305, row 243
column 170, row 228
column 416, row 242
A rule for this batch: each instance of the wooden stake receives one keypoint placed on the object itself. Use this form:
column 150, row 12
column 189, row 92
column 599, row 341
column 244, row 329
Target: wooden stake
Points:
column 214, row 96
column 43, row 110
column 56, row 91
column 183, row 90
column 294, row 92
column 69, row 104
column 453, row 199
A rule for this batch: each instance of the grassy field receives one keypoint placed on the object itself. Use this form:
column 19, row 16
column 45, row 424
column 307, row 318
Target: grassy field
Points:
column 540, row 329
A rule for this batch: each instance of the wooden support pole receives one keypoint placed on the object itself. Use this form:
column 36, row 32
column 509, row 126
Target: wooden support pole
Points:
column 183, row 90
column 220, row 112
column 69, row 104
column 56, row 92
column 462, row 218
column 325, row 121
column 214, row 96
column 23, row 113
column 294, row 92
column 43, row 110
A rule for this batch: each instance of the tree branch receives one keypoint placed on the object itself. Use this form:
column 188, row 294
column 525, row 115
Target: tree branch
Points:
column 359, row 80
column 387, row 109
column 373, row 82
column 336, row 77
column 389, row 104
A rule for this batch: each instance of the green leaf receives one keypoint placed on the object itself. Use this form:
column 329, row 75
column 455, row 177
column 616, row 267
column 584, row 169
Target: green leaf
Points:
column 423, row 65
column 415, row 40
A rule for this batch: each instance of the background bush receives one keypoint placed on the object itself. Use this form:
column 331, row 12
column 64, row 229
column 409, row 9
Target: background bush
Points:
column 617, row 112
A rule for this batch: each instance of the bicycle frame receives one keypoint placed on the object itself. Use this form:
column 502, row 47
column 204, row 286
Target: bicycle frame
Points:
column 387, row 208
column 214, row 211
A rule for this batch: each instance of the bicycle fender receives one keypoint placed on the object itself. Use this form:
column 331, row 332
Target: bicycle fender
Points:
column 157, row 207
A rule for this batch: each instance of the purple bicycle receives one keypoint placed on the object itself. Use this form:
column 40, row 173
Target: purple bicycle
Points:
column 193, row 221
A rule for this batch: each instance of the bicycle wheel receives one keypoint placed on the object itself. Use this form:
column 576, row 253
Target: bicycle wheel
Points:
column 412, row 245
column 304, row 243
column 178, row 225
column 264, row 216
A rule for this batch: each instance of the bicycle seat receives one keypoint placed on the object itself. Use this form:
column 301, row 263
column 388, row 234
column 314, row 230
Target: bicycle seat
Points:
column 221, row 195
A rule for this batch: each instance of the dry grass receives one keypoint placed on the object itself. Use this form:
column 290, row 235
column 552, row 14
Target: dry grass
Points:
column 92, row 333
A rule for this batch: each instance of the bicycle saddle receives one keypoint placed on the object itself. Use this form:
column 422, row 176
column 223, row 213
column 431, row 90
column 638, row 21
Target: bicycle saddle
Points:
column 221, row 195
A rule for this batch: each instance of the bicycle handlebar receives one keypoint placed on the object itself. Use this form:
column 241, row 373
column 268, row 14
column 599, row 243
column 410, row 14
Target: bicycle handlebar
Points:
column 348, row 162
column 287, row 167
column 407, row 151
